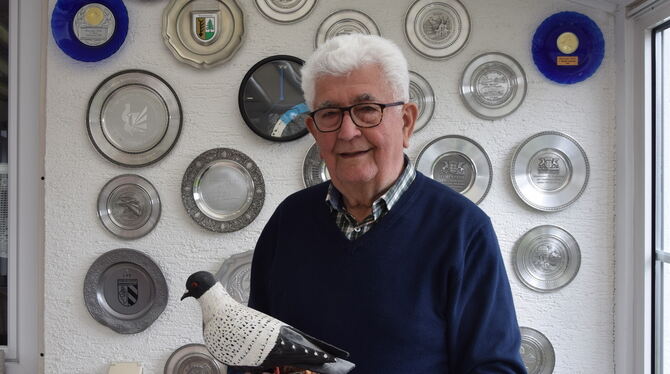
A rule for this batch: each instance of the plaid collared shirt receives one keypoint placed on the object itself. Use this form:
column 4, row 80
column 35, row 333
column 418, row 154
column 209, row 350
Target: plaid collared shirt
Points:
column 347, row 223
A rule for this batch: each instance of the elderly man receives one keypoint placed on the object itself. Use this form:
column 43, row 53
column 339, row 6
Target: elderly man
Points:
column 382, row 261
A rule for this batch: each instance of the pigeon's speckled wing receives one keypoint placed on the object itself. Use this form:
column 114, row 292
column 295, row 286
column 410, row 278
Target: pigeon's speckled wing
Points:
column 239, row 336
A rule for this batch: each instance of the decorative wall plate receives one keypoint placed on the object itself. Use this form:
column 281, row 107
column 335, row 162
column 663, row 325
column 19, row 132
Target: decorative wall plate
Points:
column 568, row 47
column 285, row 11
column 193, row 359
column 345, row 21
column 271, row 99
column 134, row 118
column 125, row 290
column 546, row 258
column 314, row 170
column 493, row 85
column 223, row 190
column 437, row 29
column 549, row 171
column 235, row 274
column 422, row 94
column 459, row 163
column 537, row 352
column 89, row 30
column 203, row 33
column 129, row 206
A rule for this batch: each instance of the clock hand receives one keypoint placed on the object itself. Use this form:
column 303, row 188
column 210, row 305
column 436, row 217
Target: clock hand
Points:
column 281, row 83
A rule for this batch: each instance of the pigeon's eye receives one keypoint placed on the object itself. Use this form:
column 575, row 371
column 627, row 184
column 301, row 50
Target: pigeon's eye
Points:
column 194, row 284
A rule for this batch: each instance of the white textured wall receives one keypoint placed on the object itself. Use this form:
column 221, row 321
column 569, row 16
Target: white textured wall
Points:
column 578, row 319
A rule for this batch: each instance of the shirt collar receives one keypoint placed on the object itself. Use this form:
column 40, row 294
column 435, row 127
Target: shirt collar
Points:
column 385, row 202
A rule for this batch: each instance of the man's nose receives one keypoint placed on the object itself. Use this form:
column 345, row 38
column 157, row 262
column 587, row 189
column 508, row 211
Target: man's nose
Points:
column 348, row 129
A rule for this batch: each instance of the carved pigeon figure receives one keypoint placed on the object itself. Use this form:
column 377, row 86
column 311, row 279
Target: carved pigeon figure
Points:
column 242, row 337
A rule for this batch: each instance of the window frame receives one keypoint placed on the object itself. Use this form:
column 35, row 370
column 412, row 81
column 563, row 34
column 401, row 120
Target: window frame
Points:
column 633, row 327
column 25, row 309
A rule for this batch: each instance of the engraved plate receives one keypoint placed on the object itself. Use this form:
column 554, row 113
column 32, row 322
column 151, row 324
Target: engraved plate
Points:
column 437, row 29
column 94, row 24
column 459, row 163
column 546, row 258
column 493, row 85
column 536, row 351
column 193, row 359
column 134, row 118
column 89, row 31
column 314, row 170
column 422, row 94
column 223, row 190
column 203, row 33
column 235, row 275
column 125, row 290
column 129, row 206
column 345, row 22
column 285, row 11
column 549, row 171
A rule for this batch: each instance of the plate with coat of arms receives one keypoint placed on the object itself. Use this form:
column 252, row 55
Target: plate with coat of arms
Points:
column 125, row 290
column 459, row 163
column 549, row 171
column 203, row 33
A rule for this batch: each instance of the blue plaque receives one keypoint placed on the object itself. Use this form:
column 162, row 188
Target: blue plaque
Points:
column 89, row 30
column 568, row 47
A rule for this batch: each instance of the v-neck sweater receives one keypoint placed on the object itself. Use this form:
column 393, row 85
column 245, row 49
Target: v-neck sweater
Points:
column 424, row 291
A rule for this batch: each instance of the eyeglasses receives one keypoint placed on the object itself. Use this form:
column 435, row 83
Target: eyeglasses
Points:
column 363, row 115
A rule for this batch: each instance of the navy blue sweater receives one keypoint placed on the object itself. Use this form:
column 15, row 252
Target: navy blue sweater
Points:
column 425, row 291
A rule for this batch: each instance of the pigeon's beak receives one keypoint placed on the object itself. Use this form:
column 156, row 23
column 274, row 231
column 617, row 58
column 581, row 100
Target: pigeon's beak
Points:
column 185, row 295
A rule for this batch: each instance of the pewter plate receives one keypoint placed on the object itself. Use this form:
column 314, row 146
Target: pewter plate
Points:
column 493, row 85
column 459, row 163
column 536, row 351
column 203, row 33
column 223, row 190
column 343, row 22
column 125, row 290
column 422, row 94
column 314, row 170
column 193, row 359
column 134, row 118
column 546, row 258
column 437, row 29
column 235, row 274
column 129, row 206
column 285, row 11
column 549, row 171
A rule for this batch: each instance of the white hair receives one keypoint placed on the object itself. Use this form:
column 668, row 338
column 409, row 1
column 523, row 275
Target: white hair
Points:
column 345, row 53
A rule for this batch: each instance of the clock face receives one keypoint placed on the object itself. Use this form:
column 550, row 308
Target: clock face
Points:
column 271, row 100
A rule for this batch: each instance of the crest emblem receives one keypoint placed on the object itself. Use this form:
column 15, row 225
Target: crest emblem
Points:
column 127, row 291
column 205, row 27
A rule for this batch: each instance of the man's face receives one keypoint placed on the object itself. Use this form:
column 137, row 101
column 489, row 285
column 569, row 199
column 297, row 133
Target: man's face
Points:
column 355, row 155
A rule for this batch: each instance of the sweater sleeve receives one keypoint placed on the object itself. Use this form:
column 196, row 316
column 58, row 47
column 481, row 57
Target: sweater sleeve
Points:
column 484, row 337
column 259, row 294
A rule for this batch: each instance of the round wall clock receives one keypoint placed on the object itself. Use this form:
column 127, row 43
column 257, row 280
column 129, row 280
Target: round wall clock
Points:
column 271, row 100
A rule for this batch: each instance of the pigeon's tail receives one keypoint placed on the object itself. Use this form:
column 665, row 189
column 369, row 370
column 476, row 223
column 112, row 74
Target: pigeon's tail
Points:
column 340, row 366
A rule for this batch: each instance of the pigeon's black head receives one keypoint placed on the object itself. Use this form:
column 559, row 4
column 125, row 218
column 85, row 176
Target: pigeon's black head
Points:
column 198, row 283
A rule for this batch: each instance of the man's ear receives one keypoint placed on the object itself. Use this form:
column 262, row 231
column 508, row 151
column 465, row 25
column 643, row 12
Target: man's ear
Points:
column 410, row 112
